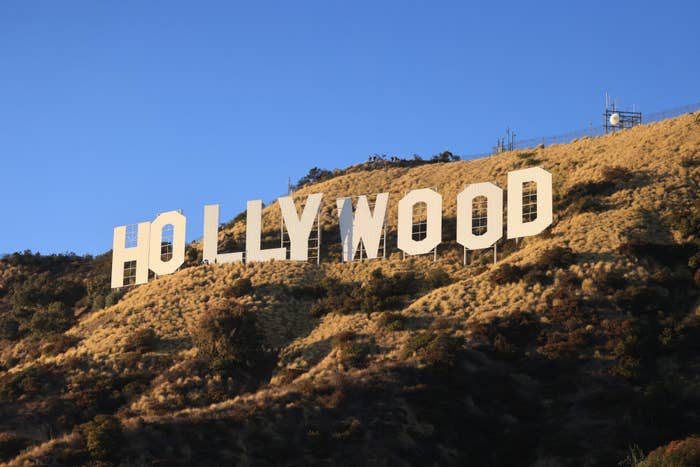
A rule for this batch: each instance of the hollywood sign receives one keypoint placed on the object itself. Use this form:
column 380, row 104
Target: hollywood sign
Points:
column 362, row 225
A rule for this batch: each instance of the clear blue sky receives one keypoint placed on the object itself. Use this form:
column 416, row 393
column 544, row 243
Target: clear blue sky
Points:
column 113, row 111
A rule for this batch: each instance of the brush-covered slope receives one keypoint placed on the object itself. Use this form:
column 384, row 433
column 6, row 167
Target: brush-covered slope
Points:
column 578, row 344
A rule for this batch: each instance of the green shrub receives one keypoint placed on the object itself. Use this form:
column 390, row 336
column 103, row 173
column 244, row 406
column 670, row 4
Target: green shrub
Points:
column 55, row 318
column 353, row 351
column 392, row 321
column 98, row 302
column 40, row 290
column 506, row 273
column 509, row 335
column 608, row 281
column 438, row 349
column 54, row 344
column 383, row 292
column 103, row 437
column 113, row 297
column 228, row 333
column 437, row 277
column 240, row 287
column 557, row 257
column 332, row 296
column 9, row 328
column 442, row 350
column 143, row 340
column 690, row 161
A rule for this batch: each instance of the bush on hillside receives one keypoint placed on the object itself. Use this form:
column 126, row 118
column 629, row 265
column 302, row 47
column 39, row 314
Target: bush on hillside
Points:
column 506, row 274
column 354, row 352
column 239, row 288
column 55, row 318
column 57, row 343
column 438, row 349
column 113, row 297
column 42, row 289
column 556, row 257
column 437, row 277
column 103, row 437
column 315, row 175
column 332, row 296
column 228, row 334
column 392, row 321
column 384, row 292
column 509, row 335
column 143, row 340
column 9, row 328
column 690, row 161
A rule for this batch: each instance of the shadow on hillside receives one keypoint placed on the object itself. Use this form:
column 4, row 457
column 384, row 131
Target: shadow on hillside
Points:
column 311, row 354
column 172, row 344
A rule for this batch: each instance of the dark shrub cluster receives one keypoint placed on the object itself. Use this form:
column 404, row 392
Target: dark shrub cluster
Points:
column 354, row 352
column 438, row 349
column 239, row 288
column 142, row 340
column 380, row 292
column 690, row 161
column 391, row 321
column 54, row 318
column 506, row 274
column 9, row 327
column 228, row 336
column 549, row 260
column 437, row 277
column 509, row 335
column 42, row 289
column 385, row 292
column 103, row 437
column 332, row 296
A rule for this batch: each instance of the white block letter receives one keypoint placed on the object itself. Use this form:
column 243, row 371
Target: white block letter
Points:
column 300, row 228
column 433, row 202
column 155, row 262
column 138, row 253
column 210, row 241
column 516, row 227
column 365, row 226
column 253, row 234
column 494, row 213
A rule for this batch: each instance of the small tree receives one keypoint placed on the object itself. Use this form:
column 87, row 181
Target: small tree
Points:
column 55, row 318
column 143, row 340
column 228, row 334
column 103, row 437
column 9, row 328
column 240, row 287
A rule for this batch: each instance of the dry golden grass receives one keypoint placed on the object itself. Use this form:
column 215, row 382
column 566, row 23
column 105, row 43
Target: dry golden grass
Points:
column 172, row 304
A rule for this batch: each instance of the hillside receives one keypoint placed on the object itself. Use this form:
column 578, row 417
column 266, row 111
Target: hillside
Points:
column 579, row 344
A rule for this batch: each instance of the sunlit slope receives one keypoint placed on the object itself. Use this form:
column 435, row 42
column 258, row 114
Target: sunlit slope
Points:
column 659, row 185
column 643, row 180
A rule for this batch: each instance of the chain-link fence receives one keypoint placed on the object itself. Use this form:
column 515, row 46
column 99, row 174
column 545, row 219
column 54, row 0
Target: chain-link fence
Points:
column 593, row 130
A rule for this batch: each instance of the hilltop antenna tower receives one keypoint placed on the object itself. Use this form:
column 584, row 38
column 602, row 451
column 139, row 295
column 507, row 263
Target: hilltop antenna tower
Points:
column 615, row 120
column 507, row 143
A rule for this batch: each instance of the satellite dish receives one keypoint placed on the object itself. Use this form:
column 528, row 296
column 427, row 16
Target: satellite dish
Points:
column 615, row 119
